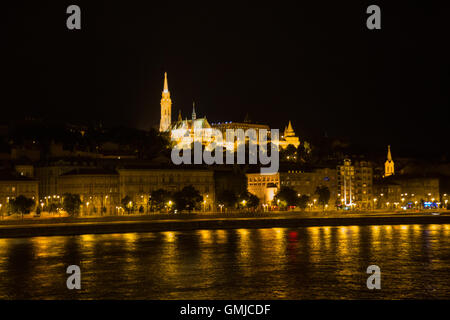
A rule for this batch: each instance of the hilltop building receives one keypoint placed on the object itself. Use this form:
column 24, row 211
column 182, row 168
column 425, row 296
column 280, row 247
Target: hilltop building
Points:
column 178, row 129
column 289, row 137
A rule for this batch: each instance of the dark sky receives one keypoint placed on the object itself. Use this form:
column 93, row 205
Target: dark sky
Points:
column 312, row 62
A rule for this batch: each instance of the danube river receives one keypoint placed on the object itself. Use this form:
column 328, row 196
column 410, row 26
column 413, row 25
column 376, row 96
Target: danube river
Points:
column 277, row 263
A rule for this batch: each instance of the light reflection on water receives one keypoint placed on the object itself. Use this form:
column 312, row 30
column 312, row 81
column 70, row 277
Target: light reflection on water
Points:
column 302, row 263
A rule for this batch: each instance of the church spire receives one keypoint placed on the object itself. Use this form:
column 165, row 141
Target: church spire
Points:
column 389, row 156
column 166, row 108
column 179, row 116
column 194, row 116
column 166, row 86
column 389, row 168
column 289, row 131
column 290, row 126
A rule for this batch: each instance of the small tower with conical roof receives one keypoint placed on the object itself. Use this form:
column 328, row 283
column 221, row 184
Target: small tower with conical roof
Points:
column 389, row 164
column 289, row 131
column 289, row 137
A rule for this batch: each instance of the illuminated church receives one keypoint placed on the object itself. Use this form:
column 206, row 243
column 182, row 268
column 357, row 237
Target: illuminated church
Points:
column 389, row 164
column 179, row 128
column 289, row 137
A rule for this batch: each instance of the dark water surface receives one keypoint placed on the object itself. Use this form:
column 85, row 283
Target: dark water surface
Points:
column 301, row 263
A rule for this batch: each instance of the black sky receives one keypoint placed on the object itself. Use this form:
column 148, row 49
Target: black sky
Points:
column 314, row 63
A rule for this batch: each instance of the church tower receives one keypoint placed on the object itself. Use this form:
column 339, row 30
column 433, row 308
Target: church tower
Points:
column 194, row 115
column 389, row 164
column 166, row 108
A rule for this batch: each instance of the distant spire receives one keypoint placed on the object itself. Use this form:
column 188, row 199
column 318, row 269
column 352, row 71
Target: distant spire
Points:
column 179, row 116
column 290, row 126
column 166, row 86
column 194, row 116
column 389, row 168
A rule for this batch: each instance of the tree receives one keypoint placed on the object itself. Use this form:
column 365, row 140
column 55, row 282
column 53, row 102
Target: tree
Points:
column 127, row 204
column 248, row 200
column 188, row 198
column 253, row 201
column 324, row 195
column 159, row 198
column 228, row 198
column 72, row 203
column 303, row 201
column 286, row 196
column 22, row 205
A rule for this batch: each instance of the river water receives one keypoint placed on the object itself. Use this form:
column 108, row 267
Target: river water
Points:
column 277, row 263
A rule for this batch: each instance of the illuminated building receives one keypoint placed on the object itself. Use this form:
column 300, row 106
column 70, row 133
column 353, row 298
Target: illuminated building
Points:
column 346, row 177
column 184, row 128
column 264, row 186
column 389, row 164
column 98, row 189
column 303, row 182
column 49, row 172
column 180, row 128
column 223, row 126
column 355, row 184
column 166, row 108
column 105, row 188
column 13, row 185
column 138, row 183
column 289, row 137
column 386, row 191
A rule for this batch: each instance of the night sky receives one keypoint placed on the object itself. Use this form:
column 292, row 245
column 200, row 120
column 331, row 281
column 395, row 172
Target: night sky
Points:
column 315, row 64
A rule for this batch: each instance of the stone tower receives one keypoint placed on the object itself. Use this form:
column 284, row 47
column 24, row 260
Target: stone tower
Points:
column 166, row 108
column 389, row 164
column 194, row 115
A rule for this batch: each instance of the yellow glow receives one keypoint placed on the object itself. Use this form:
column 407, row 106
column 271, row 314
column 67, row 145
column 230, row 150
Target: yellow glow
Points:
column 170, row 236
column 206, row 236
column 221, row 236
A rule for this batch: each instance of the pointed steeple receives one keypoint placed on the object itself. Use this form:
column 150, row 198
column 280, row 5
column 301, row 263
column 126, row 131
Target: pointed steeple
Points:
column 166, row 108
column 389, row 168
column 194, row 116
column 179, row 116
column 166, row 86
column 288, row 131
column 290, row 126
